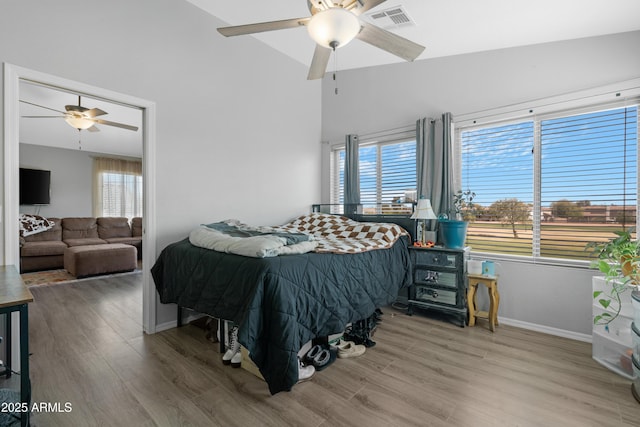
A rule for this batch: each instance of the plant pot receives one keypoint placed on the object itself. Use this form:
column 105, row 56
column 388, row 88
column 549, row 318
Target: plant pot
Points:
column 453, row 233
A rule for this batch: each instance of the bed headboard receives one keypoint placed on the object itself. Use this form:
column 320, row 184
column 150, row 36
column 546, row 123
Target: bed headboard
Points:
column 358, row 213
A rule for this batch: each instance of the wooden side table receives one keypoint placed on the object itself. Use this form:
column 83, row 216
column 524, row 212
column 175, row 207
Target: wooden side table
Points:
column 491, row 282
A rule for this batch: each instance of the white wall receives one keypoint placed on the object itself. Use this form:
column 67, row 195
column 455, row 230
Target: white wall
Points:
column 71, row 180
column 238, row 124
column 378, row 98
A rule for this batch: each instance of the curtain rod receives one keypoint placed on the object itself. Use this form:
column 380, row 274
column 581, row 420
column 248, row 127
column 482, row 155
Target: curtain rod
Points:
column 385, row 132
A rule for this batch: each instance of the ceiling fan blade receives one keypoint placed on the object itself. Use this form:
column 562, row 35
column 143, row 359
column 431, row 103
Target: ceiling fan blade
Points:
column 366, row 5
column 319, row 62
column 383, row 39
column 93, row 129
column 94, row 112
column 260, row 27
column 118, row 125
column 42, row 106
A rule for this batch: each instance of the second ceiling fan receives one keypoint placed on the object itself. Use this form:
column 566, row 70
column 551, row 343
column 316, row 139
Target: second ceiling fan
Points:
column 79, row 117
column 333, row 24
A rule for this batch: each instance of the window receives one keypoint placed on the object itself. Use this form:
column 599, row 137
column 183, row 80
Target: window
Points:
column 547, row 186
column 118, row 188
column 387, row 176
column 497, row 164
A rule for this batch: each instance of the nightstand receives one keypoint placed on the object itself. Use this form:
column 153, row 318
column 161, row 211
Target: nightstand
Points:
column 491, row 282
column 439, row 281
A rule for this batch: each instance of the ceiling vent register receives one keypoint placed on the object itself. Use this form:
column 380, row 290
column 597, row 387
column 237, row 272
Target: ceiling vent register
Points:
column 395, row 17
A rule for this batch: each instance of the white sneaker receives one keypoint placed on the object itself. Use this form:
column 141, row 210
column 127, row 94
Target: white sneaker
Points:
column 350, row 349
column 236, row 360
column 305, row 372
column 234, row 347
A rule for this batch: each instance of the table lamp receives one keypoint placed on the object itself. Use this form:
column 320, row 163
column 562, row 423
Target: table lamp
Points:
column 423, row 212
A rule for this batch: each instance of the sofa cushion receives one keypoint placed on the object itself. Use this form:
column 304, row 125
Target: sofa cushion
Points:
column 54, row 233
column 113, row 227
column 135, row 241
column 43, row 248
column 79, row 228
column 136, row 226
column 85, row 242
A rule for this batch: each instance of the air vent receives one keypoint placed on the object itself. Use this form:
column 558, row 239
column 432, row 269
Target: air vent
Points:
column 395, row 17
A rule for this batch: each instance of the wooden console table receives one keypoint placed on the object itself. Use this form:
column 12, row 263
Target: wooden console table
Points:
column 15, row 296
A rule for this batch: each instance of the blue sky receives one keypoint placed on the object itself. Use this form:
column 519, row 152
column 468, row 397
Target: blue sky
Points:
column 584, row 157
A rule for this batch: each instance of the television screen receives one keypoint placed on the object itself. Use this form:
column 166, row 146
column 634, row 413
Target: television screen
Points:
column 35, row 187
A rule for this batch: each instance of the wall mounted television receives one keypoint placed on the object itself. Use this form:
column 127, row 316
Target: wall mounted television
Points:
column 35, row 187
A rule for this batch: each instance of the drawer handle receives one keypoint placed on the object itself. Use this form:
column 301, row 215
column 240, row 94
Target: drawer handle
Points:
column 432, row 277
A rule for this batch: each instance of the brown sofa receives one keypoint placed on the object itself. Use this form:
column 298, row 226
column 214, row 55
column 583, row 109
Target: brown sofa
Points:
column 45, row 250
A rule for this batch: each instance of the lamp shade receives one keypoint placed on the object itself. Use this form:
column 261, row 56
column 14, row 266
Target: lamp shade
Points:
column 79, row 122
column 334, row 27
column 424, row 210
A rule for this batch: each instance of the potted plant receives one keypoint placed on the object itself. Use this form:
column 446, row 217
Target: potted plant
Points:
column 618, row 259
column 454, row 231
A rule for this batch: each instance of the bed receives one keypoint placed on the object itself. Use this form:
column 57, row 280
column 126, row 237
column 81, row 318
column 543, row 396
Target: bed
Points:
column 282, row 302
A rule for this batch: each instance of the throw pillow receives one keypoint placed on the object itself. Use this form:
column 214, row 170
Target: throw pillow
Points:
column 33, row 224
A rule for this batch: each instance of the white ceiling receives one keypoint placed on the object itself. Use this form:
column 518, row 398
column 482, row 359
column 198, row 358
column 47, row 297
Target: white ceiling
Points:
column 55, row 132
column 445, row 27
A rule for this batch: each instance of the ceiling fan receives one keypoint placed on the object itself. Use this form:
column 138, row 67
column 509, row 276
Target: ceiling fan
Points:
column 80, row 117
column 333, row 24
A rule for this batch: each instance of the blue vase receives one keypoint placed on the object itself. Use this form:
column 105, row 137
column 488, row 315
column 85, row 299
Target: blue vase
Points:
column 454, row 233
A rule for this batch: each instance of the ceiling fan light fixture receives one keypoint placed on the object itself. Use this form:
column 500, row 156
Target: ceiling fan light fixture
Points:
column 79, row 122
column 334, row 27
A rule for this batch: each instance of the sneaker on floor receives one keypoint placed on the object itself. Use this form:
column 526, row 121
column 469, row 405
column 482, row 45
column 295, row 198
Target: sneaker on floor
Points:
column 234, row 347
column 348, row 349
column 305, row 372
column 236, row 360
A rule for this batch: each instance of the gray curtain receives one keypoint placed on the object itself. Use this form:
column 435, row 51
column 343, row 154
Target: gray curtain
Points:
column 434, row 157
column 351, row 174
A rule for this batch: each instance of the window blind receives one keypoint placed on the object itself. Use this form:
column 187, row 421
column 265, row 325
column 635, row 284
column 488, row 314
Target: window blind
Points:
column 387, row 176
column 497, row 164
column 546, row 187
column 588, row 179
column 117, row 188
column 337, row 176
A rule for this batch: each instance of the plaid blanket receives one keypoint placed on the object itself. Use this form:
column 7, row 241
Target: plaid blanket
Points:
column 341, row 235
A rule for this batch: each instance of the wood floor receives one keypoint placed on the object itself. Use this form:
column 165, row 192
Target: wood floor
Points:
column 88, row 350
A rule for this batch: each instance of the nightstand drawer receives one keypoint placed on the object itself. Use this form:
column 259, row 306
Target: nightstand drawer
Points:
column 440, row 296
column 435, row 258
column 424, row 276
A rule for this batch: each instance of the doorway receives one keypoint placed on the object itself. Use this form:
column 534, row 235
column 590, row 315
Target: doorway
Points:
column 13, row 76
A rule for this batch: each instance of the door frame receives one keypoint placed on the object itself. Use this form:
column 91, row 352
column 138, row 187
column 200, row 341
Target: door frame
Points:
column 13, row 74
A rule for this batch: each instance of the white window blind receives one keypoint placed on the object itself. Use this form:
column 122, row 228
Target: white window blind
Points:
column 588, row 179
column 117, row 188
column 497, row 164
column 337, row 178
column 545, row 187
column 387, row 176
column 121, row 195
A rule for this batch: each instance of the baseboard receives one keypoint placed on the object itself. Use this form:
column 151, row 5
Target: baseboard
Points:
column 174, row 323
column 502, row 320
column 545, row 329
